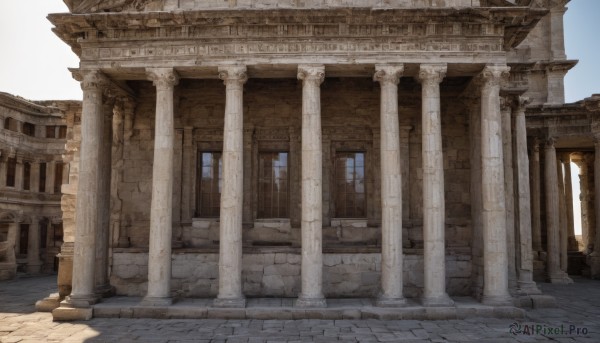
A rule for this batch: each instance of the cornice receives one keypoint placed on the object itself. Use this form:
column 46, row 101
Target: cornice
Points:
column 28, row 107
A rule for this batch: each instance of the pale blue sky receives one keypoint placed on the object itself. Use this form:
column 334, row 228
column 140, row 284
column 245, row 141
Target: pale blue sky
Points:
column 582, row 42
column 34, row 62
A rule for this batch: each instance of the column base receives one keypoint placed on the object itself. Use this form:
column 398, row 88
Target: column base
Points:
column 79, row 301
column 70, row 314
column 310, row 302
column 390, row 302
column 497, row 300
column 437, row 301
column 528, row 288
column 560, row 278
column 230, row 302
column 156, row 301
column 48, row 304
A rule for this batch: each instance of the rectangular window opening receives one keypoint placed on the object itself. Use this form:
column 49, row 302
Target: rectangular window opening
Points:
column 208, row 189
column 26, row 176
column 11, row 172
column 42, row 187
column 273, row 185
column 350, row 195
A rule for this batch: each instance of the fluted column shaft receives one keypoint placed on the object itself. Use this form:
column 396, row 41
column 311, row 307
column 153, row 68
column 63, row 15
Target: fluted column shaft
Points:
column 159, row 254
column 495, row 261
column 103, row 287
column 536, row 225
column 312, row 179
column 434, row 224
column 88, row 191
column 230, row 252
column 33, row 247
column 563, row 241
column 555, row 275
column 509, row 192
column 525, row 282
column 388, row 77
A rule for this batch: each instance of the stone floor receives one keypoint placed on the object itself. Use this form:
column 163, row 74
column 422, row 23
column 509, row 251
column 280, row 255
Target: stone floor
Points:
column 576, row 320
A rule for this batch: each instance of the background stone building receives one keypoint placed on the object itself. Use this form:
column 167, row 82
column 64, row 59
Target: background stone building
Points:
column 32, row 171
column 356, row 149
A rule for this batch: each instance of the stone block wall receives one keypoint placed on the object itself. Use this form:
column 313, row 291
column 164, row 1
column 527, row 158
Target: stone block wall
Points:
column 272, row 116
column 277, row 274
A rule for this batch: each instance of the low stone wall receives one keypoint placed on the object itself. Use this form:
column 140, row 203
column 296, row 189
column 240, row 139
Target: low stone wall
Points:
column 278, row 274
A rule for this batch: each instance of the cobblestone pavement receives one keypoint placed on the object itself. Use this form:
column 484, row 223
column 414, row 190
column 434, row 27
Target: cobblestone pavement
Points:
column 579, row 309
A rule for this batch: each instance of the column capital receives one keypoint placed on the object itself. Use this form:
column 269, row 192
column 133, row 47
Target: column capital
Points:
column 163, row 78
column 596, row 139
column 235, row 74
column 385, row 73
column 311, row 73
column 92, row 79
column 493, row 75
column 506, row 104
column 550, row 142
column 432, row 73
column 522, row 102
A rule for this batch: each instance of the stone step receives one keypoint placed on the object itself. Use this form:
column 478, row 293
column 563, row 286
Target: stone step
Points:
column 127, row 307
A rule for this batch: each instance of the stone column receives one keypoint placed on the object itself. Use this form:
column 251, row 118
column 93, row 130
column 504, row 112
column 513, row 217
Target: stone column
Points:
column 19, row 175
column 34, row 263
column 8, row 268
column 434, row 223
column 579, row 159
column 562, row 215
column 405, row 170
column 34, row 185
column 536, row 224
column 103, row 288
column 50, row 166
column 525, row 283
column 474, row 108
column 555, row 275
column 230, row 252
column 161, row 209
column 495, row 261
column 572, row 244
column 88, row 192
column 312, row 180
column 595, row 255
column 388, row 77
column 3, row 166
column 509, row 192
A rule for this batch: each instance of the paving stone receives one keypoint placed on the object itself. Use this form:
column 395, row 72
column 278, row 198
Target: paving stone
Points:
column 578, row 305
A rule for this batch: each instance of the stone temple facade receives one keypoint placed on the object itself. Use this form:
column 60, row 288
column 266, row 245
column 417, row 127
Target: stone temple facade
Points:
column 309, row 150
column 32, row 171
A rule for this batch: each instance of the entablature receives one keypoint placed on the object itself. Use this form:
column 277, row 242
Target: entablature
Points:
column 344, row 31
